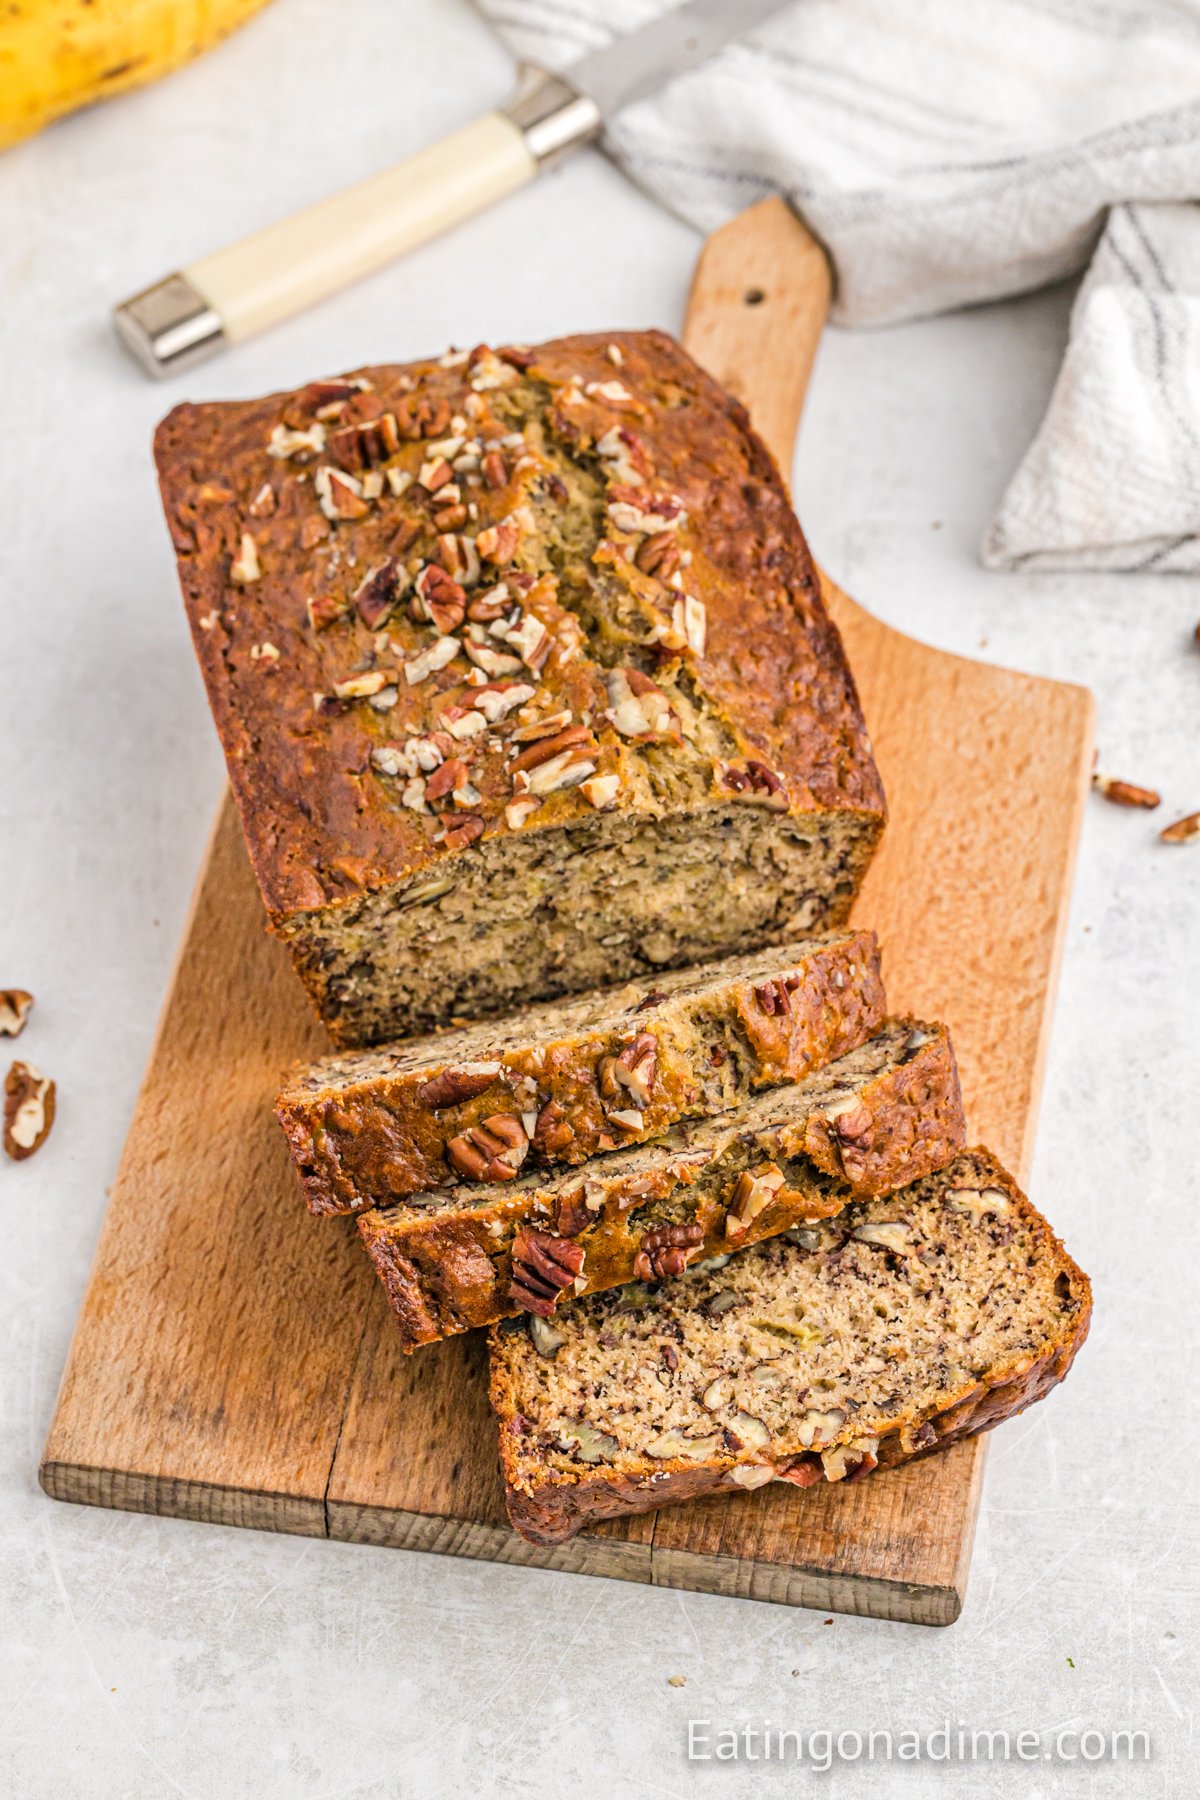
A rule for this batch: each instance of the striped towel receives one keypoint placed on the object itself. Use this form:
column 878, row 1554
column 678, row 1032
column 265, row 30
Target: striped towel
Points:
column 954, row 151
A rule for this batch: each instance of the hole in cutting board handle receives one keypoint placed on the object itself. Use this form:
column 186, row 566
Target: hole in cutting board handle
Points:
column 754, row 296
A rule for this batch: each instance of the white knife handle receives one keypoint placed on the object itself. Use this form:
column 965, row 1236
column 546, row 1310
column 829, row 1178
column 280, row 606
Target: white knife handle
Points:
column 230, row 295
column 266, row 278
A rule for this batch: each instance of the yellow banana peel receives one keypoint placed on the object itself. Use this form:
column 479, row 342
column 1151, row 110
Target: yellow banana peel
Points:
column 57, row 55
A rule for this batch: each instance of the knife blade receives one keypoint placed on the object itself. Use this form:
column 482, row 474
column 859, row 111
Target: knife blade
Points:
column 247, row 287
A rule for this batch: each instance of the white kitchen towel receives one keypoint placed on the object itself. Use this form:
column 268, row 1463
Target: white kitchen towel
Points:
column 1112, row 479
column 955, row 151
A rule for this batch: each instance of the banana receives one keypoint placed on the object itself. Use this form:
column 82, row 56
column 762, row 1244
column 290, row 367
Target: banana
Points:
column 56, row 55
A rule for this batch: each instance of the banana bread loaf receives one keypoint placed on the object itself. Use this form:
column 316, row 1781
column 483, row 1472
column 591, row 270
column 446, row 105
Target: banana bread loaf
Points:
column 858, row 1342
column 522, row 674
column 880, row 1116
column 559, row 1082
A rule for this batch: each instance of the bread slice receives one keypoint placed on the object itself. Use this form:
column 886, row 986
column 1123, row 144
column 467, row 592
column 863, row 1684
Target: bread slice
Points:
column 555, row 1084
column 880, row 1116
column 523, row 677
column 893, row 1329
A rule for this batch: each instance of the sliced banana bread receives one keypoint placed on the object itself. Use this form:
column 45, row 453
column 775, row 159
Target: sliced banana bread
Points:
column 880, row 1116
column 523, row 677
column 557, row 1083
column 861, row 1341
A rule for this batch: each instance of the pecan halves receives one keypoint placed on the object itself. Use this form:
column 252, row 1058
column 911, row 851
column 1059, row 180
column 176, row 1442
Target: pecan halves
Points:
column 452, row 1086
column 439, row 599
column 1125, row 793
column 1183, row 831
column 665, row 1251
column 493, row 1151
column 14, row 1011
column 422, row 416
column 542, row 1266
column 29, row 1099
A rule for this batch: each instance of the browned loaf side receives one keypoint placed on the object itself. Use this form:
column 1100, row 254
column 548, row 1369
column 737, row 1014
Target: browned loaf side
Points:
column 887, row 1331
column 880, row 1116
column 558, row 1083
column 522, row 674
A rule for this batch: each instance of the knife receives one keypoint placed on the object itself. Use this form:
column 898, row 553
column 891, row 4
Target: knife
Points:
column 264, row 279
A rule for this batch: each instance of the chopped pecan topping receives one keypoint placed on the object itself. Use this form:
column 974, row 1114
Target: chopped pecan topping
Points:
column 543, row 749
column 638, row 707
column 437, row 474
column 632, row 1071
column 492, row 604
column 775, row 997
column 755, row 782
column 14, row 1011
column 405, row 536
column 459, row 832
column 450, row 775
column 658, row 555
column 245, row 566
column 29, row 1099
column 542, row 1266
column 450, row 1087
column 494, row 470
column 553, row 1133
column 325, row 610
column 377, row 593
column 340, row 495
column 366, row 445
column 498, row 543
column 438, row 599
column 752, row 1195
column 665, row 1251
column 422, row 416
column 493, row 1151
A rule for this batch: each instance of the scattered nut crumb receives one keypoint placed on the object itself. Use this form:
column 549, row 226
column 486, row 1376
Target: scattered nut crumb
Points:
column 1183, row 831
column 1125, row 793
column 14, row 1010
column 676, row 1680
column 28, row 1110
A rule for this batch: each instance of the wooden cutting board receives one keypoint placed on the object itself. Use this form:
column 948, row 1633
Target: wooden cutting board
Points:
column 234, row 1359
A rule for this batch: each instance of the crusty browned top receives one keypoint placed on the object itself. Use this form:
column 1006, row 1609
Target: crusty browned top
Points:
column 497, row 592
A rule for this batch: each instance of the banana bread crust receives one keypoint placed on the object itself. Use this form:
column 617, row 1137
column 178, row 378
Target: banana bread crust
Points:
column 706, row 1189
column 586, row 541
column 374, row 1127
column 548, row 1503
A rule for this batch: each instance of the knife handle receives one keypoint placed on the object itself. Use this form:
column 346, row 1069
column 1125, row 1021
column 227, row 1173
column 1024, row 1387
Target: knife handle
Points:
column 264, row 279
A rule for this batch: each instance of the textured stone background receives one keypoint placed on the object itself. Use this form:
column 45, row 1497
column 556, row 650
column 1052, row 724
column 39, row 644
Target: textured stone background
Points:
column 144, row 1658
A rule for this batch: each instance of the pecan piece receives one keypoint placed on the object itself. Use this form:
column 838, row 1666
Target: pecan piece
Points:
column 631, row 1071
column 450, row 1087
column 377, row 594
column 498, row 543
column 14, row 1011
column 665, row 1251
column 493, row 1151
column 1183, row 831
column 422, row 416
column 752, row 1195
column 458, row 833
column 1125, row 793
column 28, row 1110
column 542, row 1266
column 658, row 555
column 553, row 1133
column 543, row 750
column 439, row 599
column 451, row 774
column 755, row 782
column 494, row 470
column 775, row 996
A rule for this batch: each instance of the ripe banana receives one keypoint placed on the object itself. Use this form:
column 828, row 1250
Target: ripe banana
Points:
column 56, row 55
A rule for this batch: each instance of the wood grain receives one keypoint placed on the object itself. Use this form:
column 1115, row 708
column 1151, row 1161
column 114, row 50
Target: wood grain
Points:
column 234, row 1359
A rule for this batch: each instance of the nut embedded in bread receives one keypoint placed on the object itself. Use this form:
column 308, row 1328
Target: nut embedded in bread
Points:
column 558, row 1083
column 883, row 1115
column 861, row 1341
column 522, row 674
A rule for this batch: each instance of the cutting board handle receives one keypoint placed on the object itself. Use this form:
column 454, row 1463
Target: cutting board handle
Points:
column 758, row 304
